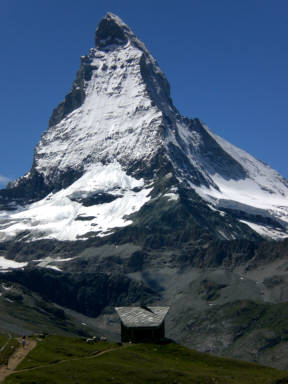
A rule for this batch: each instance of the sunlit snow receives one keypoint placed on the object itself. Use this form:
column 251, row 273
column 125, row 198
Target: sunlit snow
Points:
column 6, row 264
column 261, row 192
column 172, row 196
column 266, row 231
column 59, row 216
column 116, row 121
column 48, row 262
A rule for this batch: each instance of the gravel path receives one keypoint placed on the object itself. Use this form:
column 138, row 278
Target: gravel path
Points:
column 16, row 358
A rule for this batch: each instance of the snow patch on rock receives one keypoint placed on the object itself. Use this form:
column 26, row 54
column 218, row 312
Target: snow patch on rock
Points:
column 59, row 216
column 259, row 191
column 6, row 264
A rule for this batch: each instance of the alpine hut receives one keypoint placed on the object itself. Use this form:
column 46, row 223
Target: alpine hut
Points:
column 142, row 324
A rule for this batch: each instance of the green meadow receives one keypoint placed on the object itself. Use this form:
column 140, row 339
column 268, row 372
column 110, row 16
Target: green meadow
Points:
column 60, row 359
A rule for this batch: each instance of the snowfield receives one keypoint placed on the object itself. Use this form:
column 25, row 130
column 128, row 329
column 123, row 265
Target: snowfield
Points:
column 251, row 186
column 117, row 120
column 60, row 216
column 263, row 192
column 6, row 264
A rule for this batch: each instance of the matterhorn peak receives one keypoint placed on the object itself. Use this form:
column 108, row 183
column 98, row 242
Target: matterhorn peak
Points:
column 117, row 142
column 112, row 31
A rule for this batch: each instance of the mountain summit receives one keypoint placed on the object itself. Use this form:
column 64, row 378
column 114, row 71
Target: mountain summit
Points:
column 112, row 31
column 117, row 148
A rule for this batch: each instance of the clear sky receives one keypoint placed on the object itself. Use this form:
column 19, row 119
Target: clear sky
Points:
column 226, row 61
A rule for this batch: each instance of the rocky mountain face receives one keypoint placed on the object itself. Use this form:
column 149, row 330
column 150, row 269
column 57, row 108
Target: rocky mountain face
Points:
column 116, row 137
column 127, row 201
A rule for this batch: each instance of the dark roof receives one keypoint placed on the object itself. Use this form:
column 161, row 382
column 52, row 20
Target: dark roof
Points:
column 142, row 316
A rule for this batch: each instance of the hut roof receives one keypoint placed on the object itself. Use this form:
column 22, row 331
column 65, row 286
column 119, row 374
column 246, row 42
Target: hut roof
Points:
column 142, row 316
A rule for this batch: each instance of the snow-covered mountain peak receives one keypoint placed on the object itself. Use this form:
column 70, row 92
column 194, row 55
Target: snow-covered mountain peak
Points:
column 113, row 34
column 112, row 31
column 119, row 111
column 114, row 112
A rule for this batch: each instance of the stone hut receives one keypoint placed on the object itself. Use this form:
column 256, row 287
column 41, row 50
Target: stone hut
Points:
column 142, row 324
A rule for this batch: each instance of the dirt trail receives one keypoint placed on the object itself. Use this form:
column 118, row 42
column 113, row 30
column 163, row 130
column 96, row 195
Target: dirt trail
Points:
column 100, row 353
column 67, row 360
column 20, row 354
column 16, row 358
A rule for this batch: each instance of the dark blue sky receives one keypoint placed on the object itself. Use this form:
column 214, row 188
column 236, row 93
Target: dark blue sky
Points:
column 226, row 61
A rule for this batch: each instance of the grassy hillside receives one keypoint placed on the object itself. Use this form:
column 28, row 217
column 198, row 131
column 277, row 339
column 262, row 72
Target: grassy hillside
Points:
column 7, row 347
column 25, row 312
column 59, row 359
